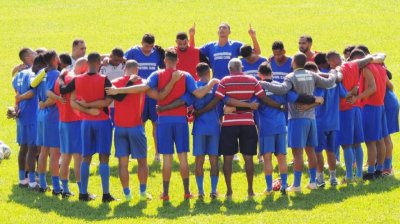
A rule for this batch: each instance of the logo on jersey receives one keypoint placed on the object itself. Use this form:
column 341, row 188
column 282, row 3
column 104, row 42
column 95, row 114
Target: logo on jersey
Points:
column 147, row 66
column 223, row 56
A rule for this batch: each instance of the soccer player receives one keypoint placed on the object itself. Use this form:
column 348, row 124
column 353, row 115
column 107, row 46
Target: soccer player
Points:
column 347, row 51
column 65, row 62
column 26, row 55
column 351, row 133
column 281, row 65
column 321, row 62
column 250, row 60
column 302, row 132
column 48, row 123
column 305, row 44
column 150, row 59
column 172, row 126
column 372, row 90
column 188, row 55
column 78, row 50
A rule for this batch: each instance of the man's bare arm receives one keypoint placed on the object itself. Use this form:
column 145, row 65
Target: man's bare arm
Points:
column 202, row 91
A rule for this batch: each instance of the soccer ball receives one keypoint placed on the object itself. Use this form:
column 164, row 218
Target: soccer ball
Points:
column 6, row 151
column 1, row 155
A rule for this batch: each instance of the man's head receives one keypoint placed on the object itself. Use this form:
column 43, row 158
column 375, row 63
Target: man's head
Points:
column 78, row 48
column 224, row 30
column 27, row 55
column 235, row 65
column 41, row 50
column 278, row 50
column 51, row 59
column 171, row 58
column 347, row 51
column 148, row 41
column 305, row 43
column 265, row 71
column 131, row 67
column 116, row 56
column 38, row 63
column 81, row 66
column 203, row 70
column 320, row 60
column 246, row 51
column 65, row 61
column 356, row 54
column 94, row 62
column 299, row 60
column 333, row 59
column 311, row 66
column 363, row 48
column 182, row 41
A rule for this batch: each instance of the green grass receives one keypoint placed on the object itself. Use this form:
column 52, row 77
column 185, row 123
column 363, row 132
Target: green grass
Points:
column 107, row 24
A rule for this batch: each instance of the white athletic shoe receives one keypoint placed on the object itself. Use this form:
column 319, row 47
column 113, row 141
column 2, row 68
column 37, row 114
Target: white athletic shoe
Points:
column 294, row 189
column 312, row 186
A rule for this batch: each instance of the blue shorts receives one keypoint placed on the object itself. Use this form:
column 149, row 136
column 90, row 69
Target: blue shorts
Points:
column 149, row 110
column 26, row 134
column 70, row 137
column 39, row 133
column 273, row 144
column 256, row 117
column 205, row 145
column 130, row 141
column 392, row 119
column 326, row 140
column 302, row 132
column 170, row 133
column 48, row 134
column 96, row 137
column 374, row 123
column 351, row 127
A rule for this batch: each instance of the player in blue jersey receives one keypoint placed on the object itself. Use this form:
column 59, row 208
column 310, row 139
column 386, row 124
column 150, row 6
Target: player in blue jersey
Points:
column 250, row 60
column 281, row 65
column 150, row 58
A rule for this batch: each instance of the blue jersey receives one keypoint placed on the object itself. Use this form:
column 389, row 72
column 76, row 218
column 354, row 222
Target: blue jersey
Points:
column 219, row 56
column 279, row 72
column 147, row 64
column 391, row 101
column 327, row 115
column 252, row 69
column 208, row 123
column 27, row 108
column 51, row 113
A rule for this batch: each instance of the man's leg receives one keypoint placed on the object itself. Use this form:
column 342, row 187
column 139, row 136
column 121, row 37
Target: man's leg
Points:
column 31, row 161
column 214, row 174
column 331, row 157
column 268, row 171
column 381, row 154
column 143, row 173
column 77, row 169
column 104, row 170
column 184, row 169
column 297, row 166
column 372, row 155
column 312, row 163
column 227, row 168
column 249, row 167
column 199, row 173
column 166, row 173
column 156, row 154
column 64, row 172
column 42, row 167
column 283, row 170
column 124, row 176
column 348, row 161
column 23, row 151
column 387, row 165
column 55, row 169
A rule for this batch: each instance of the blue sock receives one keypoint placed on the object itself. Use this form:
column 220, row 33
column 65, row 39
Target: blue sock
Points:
column 42, row 180
column 85, row 166
column 371, row 169
column 127, row 191
column 348, row 161
column 199, row 182
column 379, row 167
column 79, row 186
column 143, row 188
column 105, row 177
column 65, row 186
column 21, row 175
column 214, row 183
column 359, row 155
column 388, row 163
column 32, row 177
column 313, row 174
column 268, row 180
column 297, row 178
column 284, row 180
column 55, row 181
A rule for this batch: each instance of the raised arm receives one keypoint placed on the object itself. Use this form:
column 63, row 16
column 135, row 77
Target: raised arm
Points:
column 192, row 32
column 256, row 46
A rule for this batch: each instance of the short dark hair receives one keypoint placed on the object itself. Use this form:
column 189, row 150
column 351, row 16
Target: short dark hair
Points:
column 76, row 42
column 65, row 59
column 202, row 68
column 349, row 49
column 118, row 52
column 311, row 66
column 320, row 59
column 182, row 36
column 278, row 45
column 93, row 57
column 39, row 60
column 307, row 37
column 148, row 38
column 48, row 56
column 356, row 53
column 246, row 50
column 363, row 48
column 170, row 54
column 264, row 69
column 331, row 54
column 41, row 50
column 300, row 59
column 23, row 53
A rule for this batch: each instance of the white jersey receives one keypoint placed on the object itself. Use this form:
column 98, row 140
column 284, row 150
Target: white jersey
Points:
column 112, row 72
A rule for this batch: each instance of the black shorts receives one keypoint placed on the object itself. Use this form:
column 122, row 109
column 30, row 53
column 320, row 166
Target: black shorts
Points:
column 245, row 134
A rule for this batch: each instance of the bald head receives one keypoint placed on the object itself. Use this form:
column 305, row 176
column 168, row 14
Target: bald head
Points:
column 235, row 65
column 131, row 67
column 81, row 66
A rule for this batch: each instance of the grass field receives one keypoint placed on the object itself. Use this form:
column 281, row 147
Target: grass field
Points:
column 108, row 24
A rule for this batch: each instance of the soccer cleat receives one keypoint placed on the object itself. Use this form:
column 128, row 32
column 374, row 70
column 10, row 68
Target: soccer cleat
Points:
column 201, row 196
column 145, row 196
column 43, row 190
column 67, row 194
column 128, row 197
column 107, row 198
column 320, row 184
column 188, row 196
column 369, row 176
column 283, row 190
column 294, row 189
column 56, row 193
column 312, row 186
column 86, row 197
column 333, row 182
column 214, row 195
column 164, row 197
column 387, row 172
column 378, row 174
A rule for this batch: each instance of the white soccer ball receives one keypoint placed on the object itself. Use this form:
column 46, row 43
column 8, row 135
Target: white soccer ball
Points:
column 6, row 151
column 1, row 155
